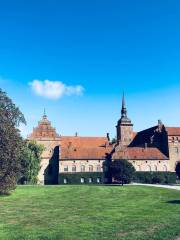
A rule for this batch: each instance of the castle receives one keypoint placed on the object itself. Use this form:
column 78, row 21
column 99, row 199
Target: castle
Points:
column 82, row 158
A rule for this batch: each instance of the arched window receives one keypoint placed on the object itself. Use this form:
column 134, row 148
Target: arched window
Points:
column 149, row 168
column 139, row 167
column 82, row 168
column 90, row 168
column 165, row 168
column 90, row 180
column 82, row 180
column 176, row 150
column 65, row 168
column 155, row 168
column 98, row 168
column 73, row 168
column 98, row 180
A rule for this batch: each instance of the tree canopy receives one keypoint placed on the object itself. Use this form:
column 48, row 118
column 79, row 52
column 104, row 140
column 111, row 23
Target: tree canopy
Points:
column 10, row 143
column 178, row 169
column 30, row 161
column 121, row 171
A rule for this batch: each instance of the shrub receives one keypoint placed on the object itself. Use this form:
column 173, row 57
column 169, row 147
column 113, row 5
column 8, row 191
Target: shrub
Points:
column 155, row 177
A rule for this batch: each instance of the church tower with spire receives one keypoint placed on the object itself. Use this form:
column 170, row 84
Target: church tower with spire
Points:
column 124, row 127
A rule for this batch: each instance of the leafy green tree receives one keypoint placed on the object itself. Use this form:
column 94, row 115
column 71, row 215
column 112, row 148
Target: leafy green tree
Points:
column 178, row 169
column 10, row 143
column 30, row 161
column 122, row 171
column 113, row 141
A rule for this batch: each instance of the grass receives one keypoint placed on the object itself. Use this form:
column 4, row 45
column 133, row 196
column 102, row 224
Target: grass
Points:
column 90, row 212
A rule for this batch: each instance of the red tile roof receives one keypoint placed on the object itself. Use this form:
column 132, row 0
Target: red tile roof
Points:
column 141, row 153
column 84, row 147
column 134, row 134
column 86, row 142
column 173, row 131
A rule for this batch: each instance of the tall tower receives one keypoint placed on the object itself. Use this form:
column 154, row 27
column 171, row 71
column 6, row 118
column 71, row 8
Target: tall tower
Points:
column 124, row 127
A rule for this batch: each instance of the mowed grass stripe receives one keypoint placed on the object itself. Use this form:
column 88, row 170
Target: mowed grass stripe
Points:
column 90, row 212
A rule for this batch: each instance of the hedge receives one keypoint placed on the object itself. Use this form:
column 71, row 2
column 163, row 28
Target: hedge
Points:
column 75, row 178
column 155, row 177
column 139, row 177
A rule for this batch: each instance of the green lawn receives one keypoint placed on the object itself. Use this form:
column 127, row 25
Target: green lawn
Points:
column 90, row 212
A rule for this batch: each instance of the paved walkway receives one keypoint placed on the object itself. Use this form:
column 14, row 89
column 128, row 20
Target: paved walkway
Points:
column 161, row 186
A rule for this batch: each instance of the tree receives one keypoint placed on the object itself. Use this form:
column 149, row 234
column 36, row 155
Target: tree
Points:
column 30, row 161
column 178, row 169
column 114, row 140
column 10, row 143
column 122, row 171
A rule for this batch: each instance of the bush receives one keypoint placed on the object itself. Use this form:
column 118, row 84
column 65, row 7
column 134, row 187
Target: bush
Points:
column 155, row 177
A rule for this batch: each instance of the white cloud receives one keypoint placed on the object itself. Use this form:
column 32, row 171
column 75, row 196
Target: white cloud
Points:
column 54, row 89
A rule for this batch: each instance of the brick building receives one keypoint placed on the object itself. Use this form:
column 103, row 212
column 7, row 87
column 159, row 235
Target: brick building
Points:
column 83, row 158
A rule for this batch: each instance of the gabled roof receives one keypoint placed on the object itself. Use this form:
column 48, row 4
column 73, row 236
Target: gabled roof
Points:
column 44, row 130
column 84, row 147
column 173, row 131
column 83, row 142
column 140, row 153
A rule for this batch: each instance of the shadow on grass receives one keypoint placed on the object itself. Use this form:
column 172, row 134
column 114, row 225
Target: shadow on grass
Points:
column 174, row 202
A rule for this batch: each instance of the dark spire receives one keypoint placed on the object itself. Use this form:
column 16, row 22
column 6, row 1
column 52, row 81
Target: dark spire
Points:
column 123, row 110
column 124, row 118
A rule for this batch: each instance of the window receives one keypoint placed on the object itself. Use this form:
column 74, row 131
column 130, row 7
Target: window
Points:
column 165, row 168
column 73, row 168
column 155, row 168
column 90, row 168
column 176, row 150
column 65, row 168
column 82, row 168
column 98, row 180
column 82, row 180
column 98, row 168
column 65, row 181
column 149, row 168
column 90, row 180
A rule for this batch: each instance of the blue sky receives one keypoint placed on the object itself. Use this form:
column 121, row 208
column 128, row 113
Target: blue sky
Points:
column 102, row 46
